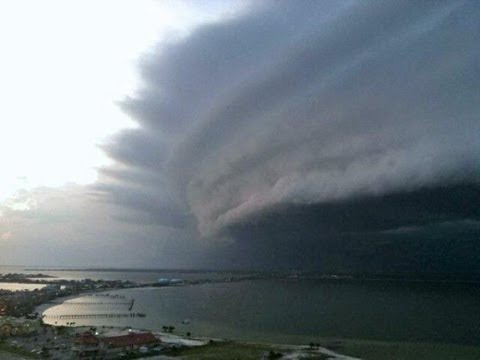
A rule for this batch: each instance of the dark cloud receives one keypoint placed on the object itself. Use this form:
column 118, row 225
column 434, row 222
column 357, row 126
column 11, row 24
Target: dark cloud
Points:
column 349, row 120
column 433, row 229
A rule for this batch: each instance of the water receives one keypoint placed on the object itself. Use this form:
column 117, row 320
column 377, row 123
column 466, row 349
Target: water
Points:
column 138, row 276
column 20, row 286
column 281, row 310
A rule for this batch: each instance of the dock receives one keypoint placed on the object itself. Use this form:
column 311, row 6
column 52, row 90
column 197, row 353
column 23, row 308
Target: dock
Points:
column 94, row 316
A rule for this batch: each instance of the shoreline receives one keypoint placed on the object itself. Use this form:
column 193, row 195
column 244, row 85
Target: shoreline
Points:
column 200, row 344
column 175, row 339
column 194, row 347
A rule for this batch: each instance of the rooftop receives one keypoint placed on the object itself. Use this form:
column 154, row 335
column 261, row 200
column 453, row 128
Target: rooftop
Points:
column 133, row 339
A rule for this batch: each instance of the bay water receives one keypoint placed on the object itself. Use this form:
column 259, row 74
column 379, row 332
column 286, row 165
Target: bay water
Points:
column 288, row 309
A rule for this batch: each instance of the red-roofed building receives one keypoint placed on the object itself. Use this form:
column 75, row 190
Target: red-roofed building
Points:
column 129, row 342
column 87, row 338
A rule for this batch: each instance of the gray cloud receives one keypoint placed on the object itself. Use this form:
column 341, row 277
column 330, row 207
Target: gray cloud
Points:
column 314, row 104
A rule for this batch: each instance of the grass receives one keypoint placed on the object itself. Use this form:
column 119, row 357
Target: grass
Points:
column 377, row 350
column 230, row 350
column 364, row 349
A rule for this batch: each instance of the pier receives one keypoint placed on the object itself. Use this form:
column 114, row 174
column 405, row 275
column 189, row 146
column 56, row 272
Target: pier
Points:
column 95, row 303
column 94, row 316
column 129, row 303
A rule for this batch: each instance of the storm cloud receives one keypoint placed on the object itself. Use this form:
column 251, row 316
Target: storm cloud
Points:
column 360, row 116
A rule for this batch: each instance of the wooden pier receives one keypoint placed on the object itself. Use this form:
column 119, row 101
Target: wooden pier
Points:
column 129, row 303
column 94, row 316
column 96, row 303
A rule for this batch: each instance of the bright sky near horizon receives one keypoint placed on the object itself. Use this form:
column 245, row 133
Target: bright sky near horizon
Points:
column 63, row 66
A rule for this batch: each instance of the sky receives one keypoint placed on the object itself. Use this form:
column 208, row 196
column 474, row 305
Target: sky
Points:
column 331, row 136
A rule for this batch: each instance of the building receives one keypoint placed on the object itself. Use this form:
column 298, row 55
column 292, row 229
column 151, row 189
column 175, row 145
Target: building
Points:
column 132, row 341
column 86, row 345
column 89, row 346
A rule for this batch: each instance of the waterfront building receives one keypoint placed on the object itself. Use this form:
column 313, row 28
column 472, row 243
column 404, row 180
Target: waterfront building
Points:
column 132, row 341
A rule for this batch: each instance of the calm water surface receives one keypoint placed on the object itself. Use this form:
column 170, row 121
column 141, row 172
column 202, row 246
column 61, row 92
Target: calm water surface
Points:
column 144, row 276
column 19, row 286
column 273, row 310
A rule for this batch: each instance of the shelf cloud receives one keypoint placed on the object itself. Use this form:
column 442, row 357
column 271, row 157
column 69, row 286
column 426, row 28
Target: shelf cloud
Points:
column 315, row 107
